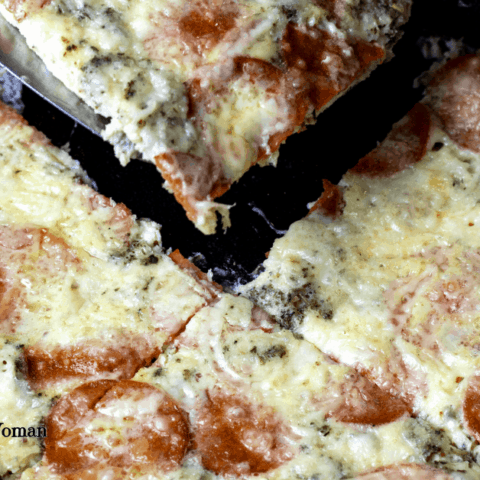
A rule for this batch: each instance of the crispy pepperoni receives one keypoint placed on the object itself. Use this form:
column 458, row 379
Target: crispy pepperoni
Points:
column 454, row 95
column 122, row 424
column 237, row 438
column 471, row 407
column 365, row 403
column 329, row 63
column 205, row 23
column 331, row 203
column 87, row 361
column 411, row 471
column 404, row 146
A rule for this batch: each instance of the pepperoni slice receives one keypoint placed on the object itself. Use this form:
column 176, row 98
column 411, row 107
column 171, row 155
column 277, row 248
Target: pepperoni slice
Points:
column 329, row 63
column 365, row 403
column 9, row 297
column 455, row 97
column 205, row 23
column 405, row 145
column 331, row 203
column 49, row 366
column 288, row 87
column 15, row 239
column 31, row 250
column 121, row 424
column 411, row 471
column 237, row 438
column 120, row 218
column 471, row 407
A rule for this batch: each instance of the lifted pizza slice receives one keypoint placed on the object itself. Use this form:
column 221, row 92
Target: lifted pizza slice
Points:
column 204, row 89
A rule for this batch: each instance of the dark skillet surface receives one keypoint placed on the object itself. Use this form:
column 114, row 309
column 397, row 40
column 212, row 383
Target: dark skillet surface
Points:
column 267, row 200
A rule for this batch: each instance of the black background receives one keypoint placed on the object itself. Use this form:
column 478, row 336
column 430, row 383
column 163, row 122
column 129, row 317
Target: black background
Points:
column 342, row 135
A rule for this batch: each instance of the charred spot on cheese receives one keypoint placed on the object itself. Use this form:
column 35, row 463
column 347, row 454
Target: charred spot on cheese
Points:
column 235, row 437
column 125, row 425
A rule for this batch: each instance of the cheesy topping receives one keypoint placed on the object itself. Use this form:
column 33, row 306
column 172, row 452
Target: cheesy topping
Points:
column 206, row 89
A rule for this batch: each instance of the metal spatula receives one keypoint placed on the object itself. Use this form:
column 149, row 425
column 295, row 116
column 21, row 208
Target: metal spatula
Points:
column 24, row 64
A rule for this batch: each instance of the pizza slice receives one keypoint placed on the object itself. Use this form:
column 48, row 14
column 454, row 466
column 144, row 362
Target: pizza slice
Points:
column 204, row 89
column 86, row 292
column 382, row 274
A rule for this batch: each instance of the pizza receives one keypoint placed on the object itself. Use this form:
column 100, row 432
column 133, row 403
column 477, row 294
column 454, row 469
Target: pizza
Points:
column 382, row 275
column 352, row 356
column 205, row 89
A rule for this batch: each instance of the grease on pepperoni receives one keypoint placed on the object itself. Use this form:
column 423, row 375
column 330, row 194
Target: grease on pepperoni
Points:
column 46, row 366
column 471, row 407
column 235, row 437
column 404, row 146
column 120, row 424
column 411, row 471
column 328, row 62
column 365, row 403
column 205, row 23
column 454, row 95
